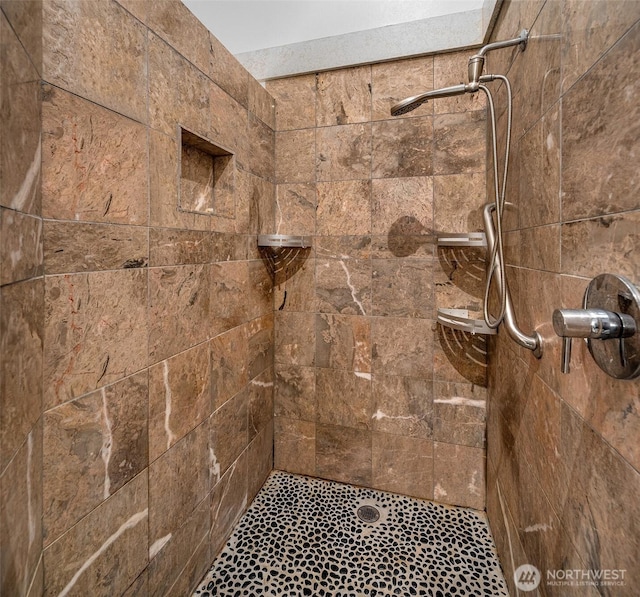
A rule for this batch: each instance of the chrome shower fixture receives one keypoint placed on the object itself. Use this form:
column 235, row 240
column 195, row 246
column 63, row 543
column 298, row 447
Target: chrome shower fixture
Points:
column 475, row 68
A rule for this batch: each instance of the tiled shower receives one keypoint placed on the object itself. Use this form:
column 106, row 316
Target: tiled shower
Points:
column 154, row 372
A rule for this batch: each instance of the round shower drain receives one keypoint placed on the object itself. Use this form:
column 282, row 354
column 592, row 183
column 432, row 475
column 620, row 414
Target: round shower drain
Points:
column 368, row 513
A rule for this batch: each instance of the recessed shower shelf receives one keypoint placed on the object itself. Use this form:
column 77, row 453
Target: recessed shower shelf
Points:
column 464, row 239
column 459, row 319
column 284, row 241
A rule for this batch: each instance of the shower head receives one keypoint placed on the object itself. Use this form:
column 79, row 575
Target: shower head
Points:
column 411, row 103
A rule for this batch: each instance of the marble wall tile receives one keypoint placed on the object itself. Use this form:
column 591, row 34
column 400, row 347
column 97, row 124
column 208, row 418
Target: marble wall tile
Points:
column 260, row 403
column 343, row 96
column 295, row 156
column 101, row 554
column 21, row 253
column 259, row 299
column 343, row 454
column 402, row 406
column 392, row 82
column 459, row 414
column 343, row 342
column 179, row 397
column 260, row 338
column 459, row 475
column 295, row 339
column 294, row 448
column 229, row 287
column 228, row 502
column 262, row 104
column 93, row 446
column 259, row 460
column 21, row 521
column 77, row 247
column 178, row 247
column 403, row 465
column 228, row 73
column 229, row 122
column 402, row 288
column 173, row 498
column 540, row 248
column 401, row 203
column 193, row 572
column 402, row 147
column 26, row 20
column 459, row 142
column 229, row 365
column 21, row 363
column 91, row 45
column 343, row 286
column 451, row 69
column 94, row 161
column 296, row 206
column 260, row 149
column 457, row 202
column 295, row 393
column 138, row 8
column 295, row 281
column 344, row 398
column 402, row 347
column 179, row 306
column 344, row 208
column 93, row 337
column 295, row 101
column 343, row 247
column 343, row 152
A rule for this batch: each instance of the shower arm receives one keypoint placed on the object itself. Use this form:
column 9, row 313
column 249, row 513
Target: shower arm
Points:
column 532, row 342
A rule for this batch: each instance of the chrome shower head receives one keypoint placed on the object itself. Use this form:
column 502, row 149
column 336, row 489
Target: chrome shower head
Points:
column 411, row 103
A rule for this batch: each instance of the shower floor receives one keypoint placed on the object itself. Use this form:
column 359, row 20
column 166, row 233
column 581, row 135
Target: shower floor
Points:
column 303, row 536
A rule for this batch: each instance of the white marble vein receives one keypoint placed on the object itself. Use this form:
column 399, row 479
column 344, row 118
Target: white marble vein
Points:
column 171, row 437
column 352, row 288
column 107, row 443
column 461, row 401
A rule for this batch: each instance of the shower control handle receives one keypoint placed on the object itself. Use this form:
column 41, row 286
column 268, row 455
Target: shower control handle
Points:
column 598, row 324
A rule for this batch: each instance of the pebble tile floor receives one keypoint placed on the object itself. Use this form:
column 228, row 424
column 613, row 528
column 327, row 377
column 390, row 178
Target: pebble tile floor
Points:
column 303, row 536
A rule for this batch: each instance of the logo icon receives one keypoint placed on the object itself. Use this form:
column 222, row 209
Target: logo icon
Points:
column 527, row 577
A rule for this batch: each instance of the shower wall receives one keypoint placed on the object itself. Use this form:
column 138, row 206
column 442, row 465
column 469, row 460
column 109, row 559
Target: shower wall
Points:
column 365, row 392
column 563, row 450
column 137, row 324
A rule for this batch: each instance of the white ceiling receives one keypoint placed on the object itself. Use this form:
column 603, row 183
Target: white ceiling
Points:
column 275, row 38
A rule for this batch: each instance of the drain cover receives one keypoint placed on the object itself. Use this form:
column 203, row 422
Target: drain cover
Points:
column 368, row 513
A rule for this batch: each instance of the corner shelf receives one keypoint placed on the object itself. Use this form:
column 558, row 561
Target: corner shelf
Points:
column 284, row 241
column 464, row 239
column 459, row 319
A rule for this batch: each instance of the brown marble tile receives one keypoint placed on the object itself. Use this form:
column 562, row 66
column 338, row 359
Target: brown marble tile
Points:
column 76, row 247
column 344, row 208
column 228, row 502
column 93, row 161
column 259, row 300
column 540, row 248
column 229, row 122
column 163, row 186
column 229, row 288
column 343, row 96
column 228, row 433
column 344, row 398
column 260, row 338
column 21, row 521
column 343, row 454
column 295, row 101
column 343, row 286
column 459, row 414
column 343, row 342
column 295, row 282
column 261, row 401
column 296, row 206
column 459, row 475
column 413, row 215
column 343, row 247
column 179, row 397
column 261, row 103
column 451, row 69
column 193, row 572
column 21, row 361
column 394, row 81
column 169, row 555
column 457, row 202
column 403, row 465
column 402, row 147
column 259, row 460
column 93, row 446
column 294, row 446
column 407, row 238
column 21, row 253
column 402, row 288
column 91, row 45
column 173, row 498
column 228, row 73
column 295, row 393
column 295, row 156
column 93, row 336
column 459, row 142
column 178, row 91
column 101, row 554
column 402, row 406
column 343, row 152
column 26, row 20
column 179, row 309
column 138, row 8
column 295, row 339
column 140, row 586
column 598, row 120
column 402, row 347
column 590, row 247
column 229, row 364
column 261, row 149
column 179, row 247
